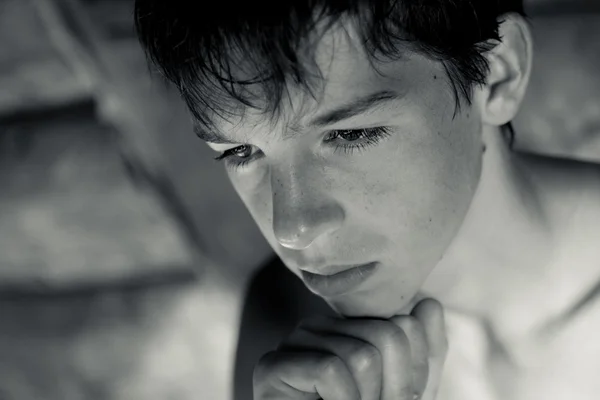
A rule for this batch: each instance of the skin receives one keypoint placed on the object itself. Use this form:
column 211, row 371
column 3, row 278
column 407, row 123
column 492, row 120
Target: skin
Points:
column 412, row 202
column 399, row 203
column 362, row 359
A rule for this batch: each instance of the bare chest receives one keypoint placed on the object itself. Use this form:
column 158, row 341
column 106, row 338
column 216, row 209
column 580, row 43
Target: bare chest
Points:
column 563, row 362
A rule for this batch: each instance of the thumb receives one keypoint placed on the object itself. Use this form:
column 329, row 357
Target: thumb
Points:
column 431, row 314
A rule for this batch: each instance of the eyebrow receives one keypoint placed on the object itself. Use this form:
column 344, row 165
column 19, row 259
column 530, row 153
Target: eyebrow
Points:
column 209, row 136
column 356, row 107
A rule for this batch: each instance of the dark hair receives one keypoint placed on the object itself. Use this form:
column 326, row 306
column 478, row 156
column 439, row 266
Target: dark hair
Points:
column 201, row 48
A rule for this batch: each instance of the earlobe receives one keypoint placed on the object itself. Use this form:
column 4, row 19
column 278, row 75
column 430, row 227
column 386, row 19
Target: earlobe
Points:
column 509, row 69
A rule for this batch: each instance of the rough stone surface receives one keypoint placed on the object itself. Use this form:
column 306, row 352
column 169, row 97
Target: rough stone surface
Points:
column 561, row 112
column 173, row 340
column 34, row 73
column 71, row 213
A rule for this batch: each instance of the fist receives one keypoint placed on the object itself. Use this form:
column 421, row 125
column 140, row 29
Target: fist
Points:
column 358, row 359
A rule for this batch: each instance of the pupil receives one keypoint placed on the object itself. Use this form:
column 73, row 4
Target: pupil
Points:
column 350, row 135
column 242, row 151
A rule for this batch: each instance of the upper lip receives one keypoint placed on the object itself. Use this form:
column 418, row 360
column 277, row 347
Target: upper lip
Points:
column 330, row 269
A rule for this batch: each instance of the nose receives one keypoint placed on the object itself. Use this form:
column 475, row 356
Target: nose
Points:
column 302, row 214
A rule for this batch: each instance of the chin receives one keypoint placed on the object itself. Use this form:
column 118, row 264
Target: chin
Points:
column 368, row 305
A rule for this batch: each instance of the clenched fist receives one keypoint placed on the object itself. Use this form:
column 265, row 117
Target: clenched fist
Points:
column 358, row 359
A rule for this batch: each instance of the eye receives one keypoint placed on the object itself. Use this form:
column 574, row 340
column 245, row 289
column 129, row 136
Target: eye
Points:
column 237, row 157
column 353, row 140
column 348, row 141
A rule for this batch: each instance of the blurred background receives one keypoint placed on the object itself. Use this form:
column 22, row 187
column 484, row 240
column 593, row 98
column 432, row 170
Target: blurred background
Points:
column 125, row 255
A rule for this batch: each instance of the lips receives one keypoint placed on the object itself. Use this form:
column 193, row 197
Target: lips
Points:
column 345, row 280
column 329, row 269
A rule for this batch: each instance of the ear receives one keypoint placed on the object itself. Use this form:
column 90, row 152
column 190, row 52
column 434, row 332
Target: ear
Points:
column 510, row 67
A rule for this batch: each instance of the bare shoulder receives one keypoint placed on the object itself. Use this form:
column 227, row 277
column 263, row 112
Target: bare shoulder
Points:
column 569, row 191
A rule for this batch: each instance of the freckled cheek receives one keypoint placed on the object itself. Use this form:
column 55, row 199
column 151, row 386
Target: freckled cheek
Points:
column 435, row 198
column 255, row 192
column 405, row 190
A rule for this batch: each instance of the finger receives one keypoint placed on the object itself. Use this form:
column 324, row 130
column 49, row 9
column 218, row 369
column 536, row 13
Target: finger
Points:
column 362, row 359
column 431, row 314
column 392, row 344
column 303, row 375
column 419, row 349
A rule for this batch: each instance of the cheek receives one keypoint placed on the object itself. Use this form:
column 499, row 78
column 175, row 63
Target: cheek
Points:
column 413, row 190
column 419, row 188
column 254, row 189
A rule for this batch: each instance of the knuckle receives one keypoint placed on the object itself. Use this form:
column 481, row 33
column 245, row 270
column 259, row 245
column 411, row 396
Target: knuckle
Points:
column 331, row 365
column 365, row 356
column 393, row 336
column 266, row 366
column 409, row 322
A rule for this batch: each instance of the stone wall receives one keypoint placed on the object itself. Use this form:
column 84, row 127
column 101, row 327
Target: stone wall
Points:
column 106, row 290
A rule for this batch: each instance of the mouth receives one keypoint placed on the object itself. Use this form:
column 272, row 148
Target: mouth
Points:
column 344, row 282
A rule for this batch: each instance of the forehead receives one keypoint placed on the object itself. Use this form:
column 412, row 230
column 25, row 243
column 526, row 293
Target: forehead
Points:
column 346, row 72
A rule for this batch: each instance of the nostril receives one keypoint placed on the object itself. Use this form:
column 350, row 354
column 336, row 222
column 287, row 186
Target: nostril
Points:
column 296, row 241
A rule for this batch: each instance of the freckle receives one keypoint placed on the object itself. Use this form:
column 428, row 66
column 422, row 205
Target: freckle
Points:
column 401, row 297
column 435, row 77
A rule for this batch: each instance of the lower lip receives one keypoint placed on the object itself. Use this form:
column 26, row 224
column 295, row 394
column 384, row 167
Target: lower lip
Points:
column 340, row 283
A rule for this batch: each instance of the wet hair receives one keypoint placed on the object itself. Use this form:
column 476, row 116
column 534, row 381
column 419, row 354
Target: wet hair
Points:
column 230, row 55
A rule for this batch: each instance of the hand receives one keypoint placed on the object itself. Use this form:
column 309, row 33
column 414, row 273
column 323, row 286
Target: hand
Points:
column 358, row 359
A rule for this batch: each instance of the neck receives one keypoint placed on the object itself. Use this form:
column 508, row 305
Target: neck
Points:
column 502, row 249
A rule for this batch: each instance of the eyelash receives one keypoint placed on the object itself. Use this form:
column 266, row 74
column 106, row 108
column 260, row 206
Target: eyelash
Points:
column 370, row 136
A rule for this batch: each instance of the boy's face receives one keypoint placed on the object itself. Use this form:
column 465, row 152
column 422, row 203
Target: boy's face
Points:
column 395, row 196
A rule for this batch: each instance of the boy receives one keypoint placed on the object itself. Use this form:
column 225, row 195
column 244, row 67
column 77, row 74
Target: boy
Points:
column 371, row 142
